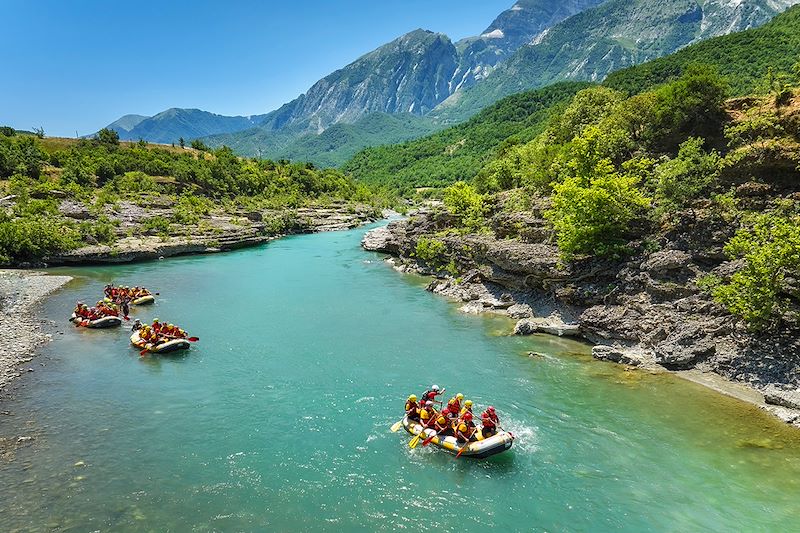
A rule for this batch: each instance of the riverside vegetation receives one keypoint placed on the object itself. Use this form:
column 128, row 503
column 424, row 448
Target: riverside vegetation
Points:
column 118, row 201
column 661, row 223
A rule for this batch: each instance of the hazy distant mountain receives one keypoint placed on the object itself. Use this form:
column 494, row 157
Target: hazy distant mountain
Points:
column 127, row 123
column 172, row 124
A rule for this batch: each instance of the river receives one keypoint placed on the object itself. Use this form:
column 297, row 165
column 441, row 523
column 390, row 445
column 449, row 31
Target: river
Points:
column 278, row 418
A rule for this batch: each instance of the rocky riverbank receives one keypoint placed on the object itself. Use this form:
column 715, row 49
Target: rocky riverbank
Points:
column 151, row 232
column 645, row 312
column 21, row 294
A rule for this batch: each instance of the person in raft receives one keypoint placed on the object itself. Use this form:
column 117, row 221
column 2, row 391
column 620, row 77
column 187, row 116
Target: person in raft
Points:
column 441, row 424
column 489, row 421
column 465, row 429
column 454, row 405
column 466, row 409
column 412, row 408
column 426, row 414
column 431, row 394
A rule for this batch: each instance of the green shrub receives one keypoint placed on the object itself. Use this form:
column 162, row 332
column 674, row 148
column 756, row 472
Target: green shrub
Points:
column 687, row 177
column 157, row 224
column 429, row 250
column 466, row 203
column 101, row 230
column 32, row 239
column 758, row 293
column 592, row 215
column 189, row 209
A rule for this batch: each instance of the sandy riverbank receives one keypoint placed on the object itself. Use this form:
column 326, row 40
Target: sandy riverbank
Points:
column 21, row 293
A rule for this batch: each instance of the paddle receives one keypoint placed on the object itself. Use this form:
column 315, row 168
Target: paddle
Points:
column 396, row 426
column 430, row 439
column 416, row 439
column 464, row 447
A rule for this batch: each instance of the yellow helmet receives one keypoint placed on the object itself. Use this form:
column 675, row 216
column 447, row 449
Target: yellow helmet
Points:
column 459, row 396
column 412, row 398
column 468, row 403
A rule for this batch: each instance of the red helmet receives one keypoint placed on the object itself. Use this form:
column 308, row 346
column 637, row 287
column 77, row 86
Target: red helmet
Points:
column 445, row 411
column 467, row 416
column 490, row 409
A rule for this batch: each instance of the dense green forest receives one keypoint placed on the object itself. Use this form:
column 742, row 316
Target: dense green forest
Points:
column 40, row 173
column 749, row 60
column 457, row 153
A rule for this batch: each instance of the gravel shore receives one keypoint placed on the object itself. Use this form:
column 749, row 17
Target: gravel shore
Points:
column 21, row 293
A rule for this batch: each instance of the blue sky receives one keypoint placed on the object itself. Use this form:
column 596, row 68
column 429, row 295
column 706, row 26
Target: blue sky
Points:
column 77, row 65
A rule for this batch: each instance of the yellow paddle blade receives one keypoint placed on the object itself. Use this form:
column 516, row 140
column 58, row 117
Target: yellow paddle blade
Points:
column 396, row 426
column 414, row 442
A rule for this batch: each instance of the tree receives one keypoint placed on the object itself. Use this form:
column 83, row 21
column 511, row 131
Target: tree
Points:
column 39, row 132
column 182, row 142
column 8, row 131
column 463, row 201
column 197, row 144
column 592, row 214
column 108, row 137
column 687, row 177
column 763, row 291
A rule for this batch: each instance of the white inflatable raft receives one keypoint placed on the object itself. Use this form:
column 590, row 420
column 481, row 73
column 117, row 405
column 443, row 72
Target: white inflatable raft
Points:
column 165, row 347
column 479, row 449
column 105, row 322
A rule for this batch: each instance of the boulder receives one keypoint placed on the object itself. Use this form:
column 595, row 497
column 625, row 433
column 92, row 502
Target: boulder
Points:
column 666, row 260
column 784, row 398
column 615, row 354
column 681, row 355
column 380, row 240
column 552, row 326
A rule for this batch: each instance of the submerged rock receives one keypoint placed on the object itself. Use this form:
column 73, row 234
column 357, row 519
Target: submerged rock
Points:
column 552, row 326
column 616, row 355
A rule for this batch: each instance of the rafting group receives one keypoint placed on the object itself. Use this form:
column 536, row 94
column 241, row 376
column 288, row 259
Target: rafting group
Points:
column 158, row 337
column 453, row 426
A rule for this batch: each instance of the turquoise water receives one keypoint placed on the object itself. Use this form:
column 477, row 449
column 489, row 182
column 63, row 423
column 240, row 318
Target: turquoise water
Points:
column 278, row 419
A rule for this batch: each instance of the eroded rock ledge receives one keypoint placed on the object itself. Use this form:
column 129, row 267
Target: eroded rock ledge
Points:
column 213, row 233
column 645, row 312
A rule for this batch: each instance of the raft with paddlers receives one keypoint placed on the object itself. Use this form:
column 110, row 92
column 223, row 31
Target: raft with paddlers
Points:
column 133, row 295
column 479, row 449
column 144, row 300
column 98, row 323
column 167, row 346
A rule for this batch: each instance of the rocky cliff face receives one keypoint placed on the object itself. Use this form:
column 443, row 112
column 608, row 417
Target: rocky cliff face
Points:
column 512, row 29
column 646, row 311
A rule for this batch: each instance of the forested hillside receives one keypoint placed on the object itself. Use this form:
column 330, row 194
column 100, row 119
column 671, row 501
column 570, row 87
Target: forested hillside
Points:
column 460, row 151
column 761, row 59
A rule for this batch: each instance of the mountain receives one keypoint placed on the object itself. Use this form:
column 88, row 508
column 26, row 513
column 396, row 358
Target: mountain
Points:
column 744, row 59
column 410, row 75
column 513, row 28
column 614, row 35
column 125, row 124
column 172, row 124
